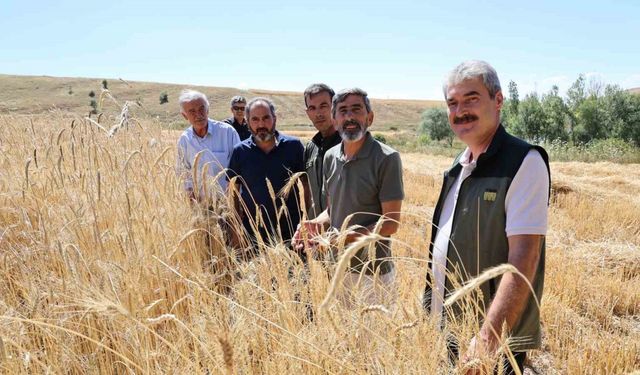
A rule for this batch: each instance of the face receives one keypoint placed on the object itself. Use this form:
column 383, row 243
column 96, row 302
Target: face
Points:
column 261, row 122
column 352, row 119
column 319, row 111
column 196, row 112
column 238, row 111
column 473, row 115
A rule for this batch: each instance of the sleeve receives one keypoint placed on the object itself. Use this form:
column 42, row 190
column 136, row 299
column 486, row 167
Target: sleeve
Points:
column 233, row 141
column 526, row 203
column 183, row 165
column 390, row 179
column 299, row 158
column 234, row 163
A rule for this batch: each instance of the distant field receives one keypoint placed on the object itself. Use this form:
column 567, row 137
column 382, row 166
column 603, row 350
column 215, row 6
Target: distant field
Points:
column 41, row 94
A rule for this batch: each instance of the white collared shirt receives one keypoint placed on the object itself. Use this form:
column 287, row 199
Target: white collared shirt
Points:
column 217, row 145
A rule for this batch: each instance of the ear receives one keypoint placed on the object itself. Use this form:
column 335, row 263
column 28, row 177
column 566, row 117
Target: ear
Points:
column 499, row 100
column 185, row 116
column 370, row 117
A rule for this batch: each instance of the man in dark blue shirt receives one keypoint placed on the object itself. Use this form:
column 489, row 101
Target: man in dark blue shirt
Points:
column 266, row 155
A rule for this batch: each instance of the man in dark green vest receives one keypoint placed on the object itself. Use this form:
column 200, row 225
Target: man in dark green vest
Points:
column 492, row 210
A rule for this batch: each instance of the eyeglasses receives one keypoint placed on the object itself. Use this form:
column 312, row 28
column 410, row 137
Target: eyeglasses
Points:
column 237, row 108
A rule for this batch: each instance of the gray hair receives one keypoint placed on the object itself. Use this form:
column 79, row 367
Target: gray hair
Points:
column 316, row 89
column 342, row 96
column 238, row 99
column 473, row 69
column 254, row 101
column 188, row 96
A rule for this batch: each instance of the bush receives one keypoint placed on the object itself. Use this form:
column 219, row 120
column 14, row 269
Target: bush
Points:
column 164, row 98
column 435, row 124
column 380, row 138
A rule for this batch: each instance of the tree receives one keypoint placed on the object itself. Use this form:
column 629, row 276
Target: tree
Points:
column 104, row 84
column 557, row 114
column 92, row 94
column 531, row 118
column 575, row 96
column 164, row 98
column 592, row 118
column 510, row 107
column 622, row 113
column 435, row 123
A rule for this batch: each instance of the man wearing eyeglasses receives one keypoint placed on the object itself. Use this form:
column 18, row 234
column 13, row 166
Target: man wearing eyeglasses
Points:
column 238, row 104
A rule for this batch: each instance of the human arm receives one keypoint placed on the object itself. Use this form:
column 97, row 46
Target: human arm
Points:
column 510, row 299
column 183, row 167
column 526, row 206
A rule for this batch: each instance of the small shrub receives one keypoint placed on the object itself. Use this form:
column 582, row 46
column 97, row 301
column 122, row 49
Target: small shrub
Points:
column 380, row 138
column 164, row 98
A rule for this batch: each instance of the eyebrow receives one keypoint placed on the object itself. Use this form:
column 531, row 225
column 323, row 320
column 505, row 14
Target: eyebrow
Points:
column 471, row 93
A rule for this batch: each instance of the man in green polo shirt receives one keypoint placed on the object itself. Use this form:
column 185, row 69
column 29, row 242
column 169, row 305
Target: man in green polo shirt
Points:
column 363, row 178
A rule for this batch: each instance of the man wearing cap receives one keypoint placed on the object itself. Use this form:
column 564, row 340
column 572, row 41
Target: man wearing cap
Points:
column 237, row 120
column 492, row 210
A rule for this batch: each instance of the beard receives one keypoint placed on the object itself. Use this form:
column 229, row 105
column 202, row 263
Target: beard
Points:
column 352, row 135
column 264, row 135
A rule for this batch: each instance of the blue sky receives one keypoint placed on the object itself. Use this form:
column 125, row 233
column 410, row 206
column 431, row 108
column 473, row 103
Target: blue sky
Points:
column 399, row 49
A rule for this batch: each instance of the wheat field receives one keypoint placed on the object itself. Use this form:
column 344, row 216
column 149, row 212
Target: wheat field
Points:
column 106, row 268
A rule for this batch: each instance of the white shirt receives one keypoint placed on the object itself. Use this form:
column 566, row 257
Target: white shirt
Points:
column 217, row 145
column 525, row 206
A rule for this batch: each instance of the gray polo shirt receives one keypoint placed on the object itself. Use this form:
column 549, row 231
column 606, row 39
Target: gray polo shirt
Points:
column 359, row 186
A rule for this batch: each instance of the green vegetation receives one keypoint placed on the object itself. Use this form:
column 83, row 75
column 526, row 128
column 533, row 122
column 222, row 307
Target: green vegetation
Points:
column 164, row 97
column 435, row 124
column 587, row 114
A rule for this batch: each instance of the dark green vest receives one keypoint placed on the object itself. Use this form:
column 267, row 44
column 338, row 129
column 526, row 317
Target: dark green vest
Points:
column 478, row 239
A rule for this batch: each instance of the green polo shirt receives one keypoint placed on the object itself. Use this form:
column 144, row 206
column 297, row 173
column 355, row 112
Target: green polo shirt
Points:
column 359, row 186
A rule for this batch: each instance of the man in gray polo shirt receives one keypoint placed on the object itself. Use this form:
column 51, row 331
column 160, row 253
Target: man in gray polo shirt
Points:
column 363, row 178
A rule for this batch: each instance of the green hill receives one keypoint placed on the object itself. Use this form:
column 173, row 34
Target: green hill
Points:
column 42, row 94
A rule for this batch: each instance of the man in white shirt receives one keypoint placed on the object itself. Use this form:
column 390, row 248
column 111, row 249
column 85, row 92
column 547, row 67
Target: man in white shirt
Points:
column 492, row 210
column 214, row 138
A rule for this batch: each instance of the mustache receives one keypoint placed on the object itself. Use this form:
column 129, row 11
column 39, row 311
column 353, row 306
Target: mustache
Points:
column 351, row 122
column 259, row 130
column 464, row 119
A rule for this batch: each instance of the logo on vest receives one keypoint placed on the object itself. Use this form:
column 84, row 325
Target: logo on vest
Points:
column 490, row 195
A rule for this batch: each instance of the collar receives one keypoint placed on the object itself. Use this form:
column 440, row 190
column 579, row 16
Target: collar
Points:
column 330, row 141
column 206, row 134
column 364, row 151
column 495, row 145
column 277, row 136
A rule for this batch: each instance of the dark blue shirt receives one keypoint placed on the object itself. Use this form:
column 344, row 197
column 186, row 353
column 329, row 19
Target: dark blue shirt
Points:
column 254, row 166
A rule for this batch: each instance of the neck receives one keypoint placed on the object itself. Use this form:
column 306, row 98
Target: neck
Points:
column 201, row 132
column 350, row 149
column 482, row 145
column 328, row 132
column 267, row 146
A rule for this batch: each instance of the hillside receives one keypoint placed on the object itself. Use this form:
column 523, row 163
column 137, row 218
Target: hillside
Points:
column 40, row 94
column 635, row 90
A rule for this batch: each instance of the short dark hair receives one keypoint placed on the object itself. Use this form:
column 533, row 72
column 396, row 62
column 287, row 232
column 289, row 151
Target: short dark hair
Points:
column 342, row 96
column 315, row 89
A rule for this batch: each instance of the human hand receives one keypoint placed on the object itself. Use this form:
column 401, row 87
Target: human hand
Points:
column 480, row 357
column 305, row 235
